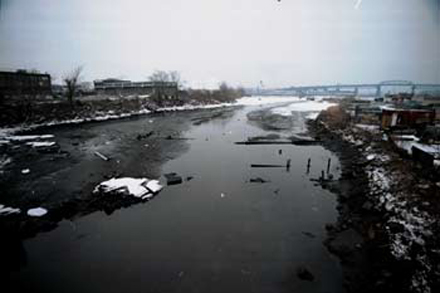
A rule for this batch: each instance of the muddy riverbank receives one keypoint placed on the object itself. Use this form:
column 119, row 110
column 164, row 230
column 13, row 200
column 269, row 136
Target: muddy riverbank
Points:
column 384, row 235
column 62, row 179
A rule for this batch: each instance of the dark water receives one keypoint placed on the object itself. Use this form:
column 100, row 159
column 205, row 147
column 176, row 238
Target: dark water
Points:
column 215, row 233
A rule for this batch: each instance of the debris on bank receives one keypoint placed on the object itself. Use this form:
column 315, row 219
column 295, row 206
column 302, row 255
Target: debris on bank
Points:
column 304, row 274
column 142, row 188
column 267, row 166
column 303, row 142
column 258, row 180
column 173, row 178
column 98, row 154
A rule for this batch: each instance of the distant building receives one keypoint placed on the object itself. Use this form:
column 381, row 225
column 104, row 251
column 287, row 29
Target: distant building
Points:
column 58, row 89
column 112, row 86
column 24, row 83
column 428, row 100
column 400, row 98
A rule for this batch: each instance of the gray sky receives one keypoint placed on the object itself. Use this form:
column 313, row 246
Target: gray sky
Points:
column 285, row 43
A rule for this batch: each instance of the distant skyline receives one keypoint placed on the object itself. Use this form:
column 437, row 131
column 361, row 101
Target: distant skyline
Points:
column 242, row 42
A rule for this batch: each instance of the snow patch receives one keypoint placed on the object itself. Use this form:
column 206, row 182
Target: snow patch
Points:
column 154, row 186
column 19, row 138
column 264, row 100
column 4, row 211
column 312, row 116
column 40, row 144
column 303, row 106
column 367, row 127
column 36, row 212
column 371, row 157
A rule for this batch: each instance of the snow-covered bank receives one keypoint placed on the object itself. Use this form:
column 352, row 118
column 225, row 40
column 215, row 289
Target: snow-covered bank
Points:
column 407, row 225
column 110, row 115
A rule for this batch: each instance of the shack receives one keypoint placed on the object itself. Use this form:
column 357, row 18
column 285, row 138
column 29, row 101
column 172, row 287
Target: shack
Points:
column 406, row 118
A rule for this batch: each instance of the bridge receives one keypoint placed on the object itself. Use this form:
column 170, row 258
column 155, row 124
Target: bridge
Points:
column 373, row 89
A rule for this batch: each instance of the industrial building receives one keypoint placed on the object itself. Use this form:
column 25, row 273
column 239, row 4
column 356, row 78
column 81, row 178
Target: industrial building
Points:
column 22, row 82
column 112, row 86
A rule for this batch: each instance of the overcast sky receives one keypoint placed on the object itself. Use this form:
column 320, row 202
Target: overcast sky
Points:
column 292, row 42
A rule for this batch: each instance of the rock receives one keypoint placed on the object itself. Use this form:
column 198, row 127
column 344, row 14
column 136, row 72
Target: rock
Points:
column 345, row 243
column 386, row 274
column 329, row 227
column 308, row 234
column 367, row 205
column 304, row 274
column 371, row 233
column 142, row 136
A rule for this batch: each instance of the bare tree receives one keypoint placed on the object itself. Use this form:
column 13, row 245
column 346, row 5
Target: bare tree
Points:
column 159, row 76
column 229, row 94
column 71, row 80
column 174, row 76
column 163, row 80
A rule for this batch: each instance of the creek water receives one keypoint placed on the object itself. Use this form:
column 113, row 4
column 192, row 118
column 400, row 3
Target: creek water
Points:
column 215, row 233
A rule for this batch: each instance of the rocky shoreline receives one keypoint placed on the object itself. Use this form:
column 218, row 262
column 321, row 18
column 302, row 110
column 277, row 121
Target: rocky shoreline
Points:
column 385, row 236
